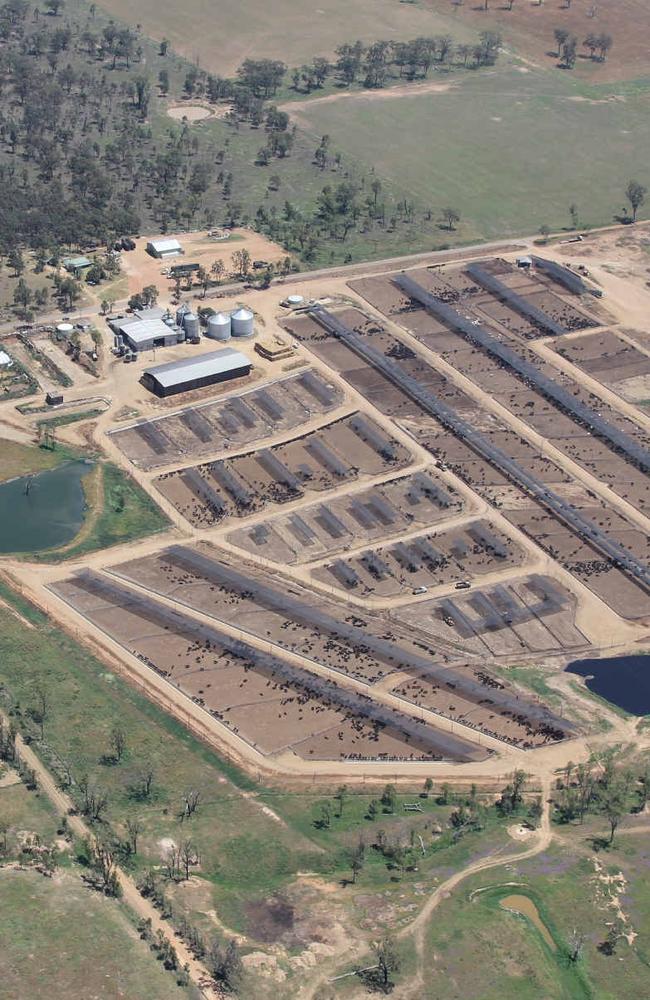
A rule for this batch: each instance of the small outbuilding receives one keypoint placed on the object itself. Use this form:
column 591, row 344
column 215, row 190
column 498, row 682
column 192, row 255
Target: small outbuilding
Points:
column 75, row 265
column 164, row 248
column 197, row 372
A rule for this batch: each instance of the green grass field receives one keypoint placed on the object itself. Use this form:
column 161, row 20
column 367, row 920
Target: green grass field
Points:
column 59, row 938
column 484, row 951
column 510, row 150
column 22, row 459
column 119, row 511
column 62, row 941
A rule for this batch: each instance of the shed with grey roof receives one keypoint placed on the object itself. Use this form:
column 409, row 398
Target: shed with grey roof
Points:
column 197, row 372
column 145, row 330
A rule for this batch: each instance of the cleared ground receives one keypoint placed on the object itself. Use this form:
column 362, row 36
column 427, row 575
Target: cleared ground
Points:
column 528, row 28
column 220, row 38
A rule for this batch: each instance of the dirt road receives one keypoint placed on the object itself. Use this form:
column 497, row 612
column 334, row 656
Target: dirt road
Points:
column 141, row 907
column 417, row 929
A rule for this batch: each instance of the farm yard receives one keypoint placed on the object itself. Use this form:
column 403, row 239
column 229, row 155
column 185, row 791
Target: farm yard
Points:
column 389, row 508
column 290, row 709
column 240, row 420
column 317, row 462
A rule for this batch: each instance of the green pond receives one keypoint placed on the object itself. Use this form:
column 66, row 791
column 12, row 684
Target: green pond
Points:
column 43, row 511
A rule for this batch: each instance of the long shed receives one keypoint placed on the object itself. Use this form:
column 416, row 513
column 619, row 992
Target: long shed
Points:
column 197, row 372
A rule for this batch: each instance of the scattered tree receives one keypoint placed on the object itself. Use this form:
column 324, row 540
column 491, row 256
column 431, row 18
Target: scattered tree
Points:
column 635, row 194
column 450, row 217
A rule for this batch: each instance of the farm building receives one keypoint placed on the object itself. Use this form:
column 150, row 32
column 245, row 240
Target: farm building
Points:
column 145, row 330
column 195, row 373
column 164, row 248
column 74, row 265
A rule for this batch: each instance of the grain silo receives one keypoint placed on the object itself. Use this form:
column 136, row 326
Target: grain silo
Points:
column 180, row 313
column 218, row 327
column 191, row 327
column 241, row 322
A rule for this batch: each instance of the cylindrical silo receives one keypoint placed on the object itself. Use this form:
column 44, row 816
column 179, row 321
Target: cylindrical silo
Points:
column 241, row 322
column 191, row 326
column 218, row 327
column 180, row 313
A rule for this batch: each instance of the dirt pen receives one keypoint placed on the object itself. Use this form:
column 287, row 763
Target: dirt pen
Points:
column 315, row 463
column 609, row 582
column 346, row 645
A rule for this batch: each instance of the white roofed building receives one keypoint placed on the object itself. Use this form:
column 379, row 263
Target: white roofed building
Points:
column 164, row 248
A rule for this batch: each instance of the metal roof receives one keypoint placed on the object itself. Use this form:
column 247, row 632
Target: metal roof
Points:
column 165, row 246
column 140, row 331
column 4, row 358
column 150, row 312
column 76, row 262
column 215, row 363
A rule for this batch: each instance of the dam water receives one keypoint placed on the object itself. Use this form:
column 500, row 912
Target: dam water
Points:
column 42, row 511
column 622, row 680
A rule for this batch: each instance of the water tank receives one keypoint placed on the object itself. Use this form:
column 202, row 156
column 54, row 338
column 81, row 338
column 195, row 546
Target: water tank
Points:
column 295, row 300
column 218, row 327
column 64, row 329
column 191, row 327
column 241, row 323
